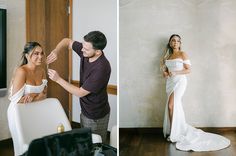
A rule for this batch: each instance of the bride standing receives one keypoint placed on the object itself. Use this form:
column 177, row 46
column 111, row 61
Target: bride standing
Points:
column 28, row 84
column 175, row 65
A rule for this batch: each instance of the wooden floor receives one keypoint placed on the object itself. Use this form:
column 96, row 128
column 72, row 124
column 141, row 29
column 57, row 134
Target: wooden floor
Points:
column 150, row 142
column 6, row 148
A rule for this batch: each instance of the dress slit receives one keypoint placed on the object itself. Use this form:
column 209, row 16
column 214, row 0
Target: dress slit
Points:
column 170, row 120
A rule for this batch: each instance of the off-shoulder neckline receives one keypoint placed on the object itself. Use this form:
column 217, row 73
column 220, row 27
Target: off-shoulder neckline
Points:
column 177, row 59
column 43, row 82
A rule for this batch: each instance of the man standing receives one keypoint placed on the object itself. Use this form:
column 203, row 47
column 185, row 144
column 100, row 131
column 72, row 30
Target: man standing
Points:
column 95, row 72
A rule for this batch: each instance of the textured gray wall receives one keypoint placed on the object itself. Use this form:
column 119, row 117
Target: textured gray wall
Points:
column 208, row 30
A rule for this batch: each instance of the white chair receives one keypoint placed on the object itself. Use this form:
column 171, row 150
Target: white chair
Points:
column 41, row 118
column 113, row 136
column 38, row 119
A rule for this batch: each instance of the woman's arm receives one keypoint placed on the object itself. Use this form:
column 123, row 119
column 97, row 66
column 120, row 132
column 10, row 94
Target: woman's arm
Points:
column 186, row 69
column 42, row 95
column 18, row 82
column 19, row 79
column 165, row 73
column 164, row 69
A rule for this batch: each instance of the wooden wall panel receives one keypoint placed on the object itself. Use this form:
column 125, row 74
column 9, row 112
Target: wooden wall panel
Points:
column 47, row 22
column 35, row 21
column 57, row 28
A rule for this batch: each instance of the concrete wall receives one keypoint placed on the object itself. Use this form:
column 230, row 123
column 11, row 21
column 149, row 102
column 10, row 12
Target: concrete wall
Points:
column 15, row 42
column 208, row 37
column 90, row 15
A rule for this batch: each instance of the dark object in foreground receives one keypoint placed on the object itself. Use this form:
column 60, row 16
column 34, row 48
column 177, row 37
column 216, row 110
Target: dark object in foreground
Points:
column 77, row 142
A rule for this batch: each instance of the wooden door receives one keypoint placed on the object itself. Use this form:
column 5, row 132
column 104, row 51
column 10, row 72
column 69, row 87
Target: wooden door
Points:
column 48, row 22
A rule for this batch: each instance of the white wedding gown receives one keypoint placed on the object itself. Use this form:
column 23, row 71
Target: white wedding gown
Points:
column 11, row 112
column 186, row 137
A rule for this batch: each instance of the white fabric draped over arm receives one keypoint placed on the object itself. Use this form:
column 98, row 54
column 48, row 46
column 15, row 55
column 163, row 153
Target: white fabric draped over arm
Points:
column 187, row 62
column 17, row 96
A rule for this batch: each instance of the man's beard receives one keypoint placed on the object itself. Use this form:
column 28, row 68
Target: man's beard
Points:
column 90, row 56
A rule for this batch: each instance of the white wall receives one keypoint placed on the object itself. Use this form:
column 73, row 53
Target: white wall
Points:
column 209, row 38
column 90, row 15
column 15, row 42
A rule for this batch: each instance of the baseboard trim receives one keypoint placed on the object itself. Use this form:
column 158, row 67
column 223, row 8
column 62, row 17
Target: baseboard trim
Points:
column 142, row 130
column 159, row 130
column 5, row 142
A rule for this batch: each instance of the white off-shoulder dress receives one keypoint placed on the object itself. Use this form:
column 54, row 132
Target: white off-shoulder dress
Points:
column 11, row 112
column 184, row 135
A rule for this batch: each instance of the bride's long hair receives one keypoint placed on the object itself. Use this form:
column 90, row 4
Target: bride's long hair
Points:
column 28, row 49
column 168, row 52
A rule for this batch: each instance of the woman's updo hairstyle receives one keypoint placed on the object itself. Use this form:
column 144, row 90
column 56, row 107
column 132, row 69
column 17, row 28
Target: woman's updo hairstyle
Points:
column 29, row 46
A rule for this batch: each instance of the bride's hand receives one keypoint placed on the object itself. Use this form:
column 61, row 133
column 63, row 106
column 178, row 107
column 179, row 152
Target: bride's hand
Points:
column 165, row 74
column 27, row 98
column 172, row 73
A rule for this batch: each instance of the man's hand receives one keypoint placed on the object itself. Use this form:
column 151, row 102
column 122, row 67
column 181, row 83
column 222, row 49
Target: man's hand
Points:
column 53, row 75
column 52, row 57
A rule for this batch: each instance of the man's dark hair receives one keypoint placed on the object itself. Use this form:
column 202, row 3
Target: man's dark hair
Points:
column 97, row 39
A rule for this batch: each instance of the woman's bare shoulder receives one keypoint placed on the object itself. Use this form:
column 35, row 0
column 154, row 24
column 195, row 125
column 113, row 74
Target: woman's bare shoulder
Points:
column 183, row 55
column 19, row 78
column 21, row 70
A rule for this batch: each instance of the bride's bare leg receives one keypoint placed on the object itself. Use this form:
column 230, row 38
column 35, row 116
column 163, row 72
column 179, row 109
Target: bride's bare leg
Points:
column 171, row 107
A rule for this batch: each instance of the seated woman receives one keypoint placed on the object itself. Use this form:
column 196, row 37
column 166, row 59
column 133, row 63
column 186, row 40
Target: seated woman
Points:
column 28, row 84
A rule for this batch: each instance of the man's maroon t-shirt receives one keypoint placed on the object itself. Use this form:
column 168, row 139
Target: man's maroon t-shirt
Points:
column 94, row 77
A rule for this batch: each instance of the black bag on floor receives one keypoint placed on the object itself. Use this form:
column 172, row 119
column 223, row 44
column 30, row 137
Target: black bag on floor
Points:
column 101, row 149
column 77, row 142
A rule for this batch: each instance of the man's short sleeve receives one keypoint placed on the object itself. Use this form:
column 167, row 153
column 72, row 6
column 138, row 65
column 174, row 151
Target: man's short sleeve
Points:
column 77, row 47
